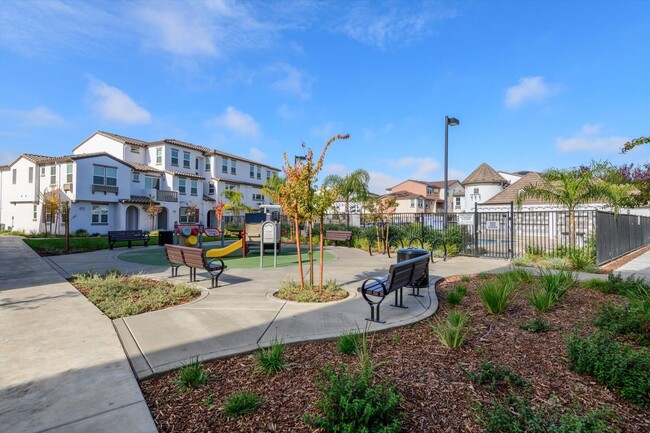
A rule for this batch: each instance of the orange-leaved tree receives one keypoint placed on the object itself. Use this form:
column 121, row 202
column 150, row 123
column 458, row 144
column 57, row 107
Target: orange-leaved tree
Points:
column 297, row 195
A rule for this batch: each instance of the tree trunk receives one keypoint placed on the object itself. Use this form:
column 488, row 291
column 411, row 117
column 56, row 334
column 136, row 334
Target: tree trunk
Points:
column 572, row 228
column 387, row 235
column 311, row 254
column 297, row 229
column 321, row 254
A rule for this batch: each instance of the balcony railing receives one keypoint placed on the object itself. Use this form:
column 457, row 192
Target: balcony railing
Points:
column 163, row 195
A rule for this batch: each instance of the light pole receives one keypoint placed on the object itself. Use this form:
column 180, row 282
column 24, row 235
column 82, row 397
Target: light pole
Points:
column 449, row 121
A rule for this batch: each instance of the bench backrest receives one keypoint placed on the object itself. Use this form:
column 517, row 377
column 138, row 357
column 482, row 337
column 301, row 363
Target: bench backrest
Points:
column 194, row 257
column 125, row 233
column 338, row 235
column 174, row 253
column 403, row 273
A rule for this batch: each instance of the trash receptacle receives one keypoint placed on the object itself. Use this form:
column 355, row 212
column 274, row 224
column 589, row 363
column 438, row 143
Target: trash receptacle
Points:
column 411, row 253
column 165, row 237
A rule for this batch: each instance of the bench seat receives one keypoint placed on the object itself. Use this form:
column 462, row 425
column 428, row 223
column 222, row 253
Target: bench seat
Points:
column 194, row 258
column 127, row 236
column 338, row 235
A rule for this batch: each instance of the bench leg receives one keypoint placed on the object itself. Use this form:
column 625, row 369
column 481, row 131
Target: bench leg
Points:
column 374, row 309
column 399, row 302
column 129, row 244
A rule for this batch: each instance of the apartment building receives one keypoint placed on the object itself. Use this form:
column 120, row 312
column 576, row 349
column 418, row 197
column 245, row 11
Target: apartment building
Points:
column 417, row 196
column 109, row 181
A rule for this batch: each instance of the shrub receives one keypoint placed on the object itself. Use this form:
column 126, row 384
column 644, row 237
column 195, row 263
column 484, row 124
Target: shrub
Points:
column 541, row 299
column 491, row 374
column 554, row 263
column 536, row 325
column 191, row 376
column 81, row 233
column 534, row 250
column 524, row 260
column 351, row 403
column 495, row 295
column 596, row 284
column 462, row 289
column 348, row 343
column 242, row 403
column 630, row 320
column 271, row 360
column 451, row 332
column 616, row 365
column 517, row 414
column 465, row 278
column 631, row 287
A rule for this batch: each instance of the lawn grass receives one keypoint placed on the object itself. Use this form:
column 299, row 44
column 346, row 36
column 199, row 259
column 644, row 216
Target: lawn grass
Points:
column 120, row 296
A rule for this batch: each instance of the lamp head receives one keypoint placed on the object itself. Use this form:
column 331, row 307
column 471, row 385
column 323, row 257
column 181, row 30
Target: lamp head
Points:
column 452, row 121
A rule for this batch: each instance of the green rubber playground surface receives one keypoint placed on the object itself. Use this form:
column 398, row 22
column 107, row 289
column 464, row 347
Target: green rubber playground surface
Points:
column 288, row 257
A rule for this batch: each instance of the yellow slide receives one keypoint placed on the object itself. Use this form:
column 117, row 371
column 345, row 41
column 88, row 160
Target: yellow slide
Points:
column 221, row 252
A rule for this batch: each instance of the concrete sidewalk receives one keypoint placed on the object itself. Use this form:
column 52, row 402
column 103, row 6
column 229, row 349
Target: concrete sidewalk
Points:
column 241, row 315
column 62, row 367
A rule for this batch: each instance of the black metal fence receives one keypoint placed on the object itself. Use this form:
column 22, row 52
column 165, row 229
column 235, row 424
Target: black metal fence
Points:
column 618, row 236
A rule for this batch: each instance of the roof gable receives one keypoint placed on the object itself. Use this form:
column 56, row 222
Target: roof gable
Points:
column 510, row 193
column 484, row 174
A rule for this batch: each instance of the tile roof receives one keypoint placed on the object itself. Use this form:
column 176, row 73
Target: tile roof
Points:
column 181, row 144
column 137, row 199
column 403, row 195
column 510, row 193
column 145, row 168
column 123, row 139
column 238, row 182
column 484, row 174
column 183, row 174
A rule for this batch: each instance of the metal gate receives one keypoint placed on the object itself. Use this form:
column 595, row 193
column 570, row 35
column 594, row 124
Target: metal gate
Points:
column 493, row 234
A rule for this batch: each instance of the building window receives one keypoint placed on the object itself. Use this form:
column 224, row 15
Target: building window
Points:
column 194, row 188
column 412, row 202
column 268, row 174
column 211, row 189
column 475, row 190
column 208, row 163
column 35, row 213
column 258, row 197
column 429, row 190
column 259, row 172
column 31, row 175
column 136, row 177
column 104, row 175
column 181, row 186
column 186, row 160
column 224, row 165
column 420, row 202
column 233, row 166
column 100, row 214
column 252, row 171
column 42, row 171
column 14, row 175
column 151, row 182
column 230, row 187
column 49, row 217
column 175, row 157
column 135, row 149
column 159, row 155
column 187, row 215
column 68, row 173
column 457, row 202
column 53, row 175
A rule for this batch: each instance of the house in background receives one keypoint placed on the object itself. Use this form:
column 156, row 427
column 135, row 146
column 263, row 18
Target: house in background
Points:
column 427, row 197
column 110, row 180
column 481, row 185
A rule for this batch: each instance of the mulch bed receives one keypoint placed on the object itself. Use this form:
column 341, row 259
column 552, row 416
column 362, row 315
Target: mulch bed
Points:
column 437, row 393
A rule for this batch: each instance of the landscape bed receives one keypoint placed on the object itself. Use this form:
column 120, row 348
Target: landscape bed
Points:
column 439, row 395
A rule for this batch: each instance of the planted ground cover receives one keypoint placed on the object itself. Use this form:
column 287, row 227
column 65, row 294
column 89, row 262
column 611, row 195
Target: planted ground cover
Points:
column 510, row 372
column 119, row 295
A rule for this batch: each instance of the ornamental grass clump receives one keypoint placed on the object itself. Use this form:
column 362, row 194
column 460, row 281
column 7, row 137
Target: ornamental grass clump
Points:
column 191, row 376
column 550, row 288
column 452, row 332
column 495, row 295
column 242, row 403
column 271, row 360
column 348, row 343
column 456, row 296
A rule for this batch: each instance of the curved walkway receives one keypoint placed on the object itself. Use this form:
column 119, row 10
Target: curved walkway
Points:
column 62, row 367
column 240, row 315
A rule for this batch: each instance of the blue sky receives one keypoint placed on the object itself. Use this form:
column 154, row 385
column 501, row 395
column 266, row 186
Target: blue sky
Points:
column 534, row 84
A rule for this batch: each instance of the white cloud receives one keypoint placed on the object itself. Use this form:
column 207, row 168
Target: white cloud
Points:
column 324, row 131
column 110, row 103
column 372, row 24
column 590, row 139
column 380, row 181
column 418, row 167
column 285, row 112
column 334, row 168
column 39, row 117
column 456, row 175
column 529, row 89
column 257, row 155
column 238, row 122
column 291, row 80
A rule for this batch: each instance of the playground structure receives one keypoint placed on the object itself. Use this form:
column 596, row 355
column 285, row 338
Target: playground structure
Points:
column 189, row 235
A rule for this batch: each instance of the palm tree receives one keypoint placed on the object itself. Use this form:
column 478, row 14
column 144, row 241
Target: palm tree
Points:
column 235, row 202
column 351, row 187
column 569, row 188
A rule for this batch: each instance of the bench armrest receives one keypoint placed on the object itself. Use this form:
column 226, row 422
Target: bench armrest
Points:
column 376, row 280
column 211, row 262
